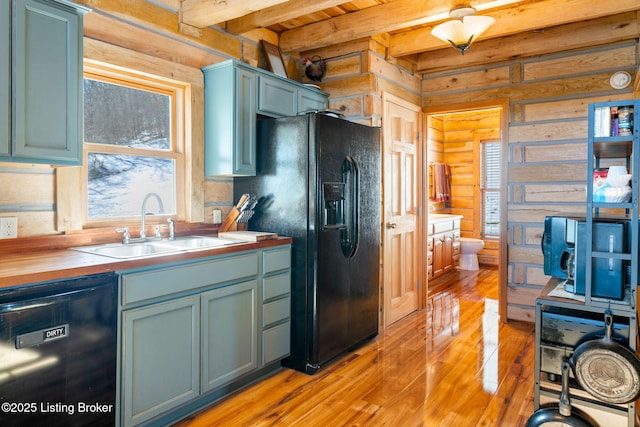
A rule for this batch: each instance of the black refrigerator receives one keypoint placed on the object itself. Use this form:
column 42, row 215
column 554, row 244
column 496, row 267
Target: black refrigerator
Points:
column 318, row 181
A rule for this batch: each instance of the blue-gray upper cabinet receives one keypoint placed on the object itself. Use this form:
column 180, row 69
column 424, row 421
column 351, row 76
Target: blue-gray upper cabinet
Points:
column 5, row 77
column 312, row 100
column 230, row 97
column 277, row 97
column 235, row 93
column 46, row 82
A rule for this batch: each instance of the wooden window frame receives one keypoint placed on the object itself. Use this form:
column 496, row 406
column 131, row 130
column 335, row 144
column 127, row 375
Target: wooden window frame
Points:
column 177, row 94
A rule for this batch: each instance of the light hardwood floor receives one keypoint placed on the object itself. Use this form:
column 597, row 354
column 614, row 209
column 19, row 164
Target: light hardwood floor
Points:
column 453, row 364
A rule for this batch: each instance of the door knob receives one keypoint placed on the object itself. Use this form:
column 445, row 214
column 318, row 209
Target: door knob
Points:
column 391, row 225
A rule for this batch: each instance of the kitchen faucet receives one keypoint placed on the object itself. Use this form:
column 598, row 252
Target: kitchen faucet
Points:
column 143, row 234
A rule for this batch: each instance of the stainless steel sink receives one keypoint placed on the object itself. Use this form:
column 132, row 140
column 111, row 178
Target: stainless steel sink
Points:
column 156, row 247
column 196, row 242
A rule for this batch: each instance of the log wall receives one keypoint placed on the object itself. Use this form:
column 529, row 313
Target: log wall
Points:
column 357, row 75
column 548, row 96
column 547, row 136
column 140, row 34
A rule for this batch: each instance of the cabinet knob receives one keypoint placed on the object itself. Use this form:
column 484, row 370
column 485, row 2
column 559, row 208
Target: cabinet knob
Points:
column 391, row 225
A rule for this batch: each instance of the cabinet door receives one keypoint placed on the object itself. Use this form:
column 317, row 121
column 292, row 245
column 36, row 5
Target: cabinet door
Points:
column 448, row 252
column 5, row 76
column 230, row 333
column 47, row 76
column 245, row 125
column 438, row 255
column 277, row 98
column 160, row 358
column 311, row 101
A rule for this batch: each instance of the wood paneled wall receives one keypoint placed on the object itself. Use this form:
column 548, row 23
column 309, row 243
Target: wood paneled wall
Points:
column 548, row 97
column 357, row 75
column 547, row 135
column 141, row 33
column 28, row 193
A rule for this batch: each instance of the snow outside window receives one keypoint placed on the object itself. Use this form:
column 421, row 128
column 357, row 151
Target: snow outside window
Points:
column 130, row 145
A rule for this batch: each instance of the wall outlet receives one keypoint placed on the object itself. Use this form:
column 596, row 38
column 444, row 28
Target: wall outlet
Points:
column 8, row 227
column 216, row 216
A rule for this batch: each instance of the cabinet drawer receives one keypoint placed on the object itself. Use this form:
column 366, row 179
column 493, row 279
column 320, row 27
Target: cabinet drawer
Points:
column 441, row 226
column 429, row 244
column 276, row 97
column 276, row 311
column 165, row 281
column 278, row 259
column 276, row 343
column 276, row 286
column 429, row 258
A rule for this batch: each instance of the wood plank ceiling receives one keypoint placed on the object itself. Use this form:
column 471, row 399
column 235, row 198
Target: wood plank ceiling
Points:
column 304, row 25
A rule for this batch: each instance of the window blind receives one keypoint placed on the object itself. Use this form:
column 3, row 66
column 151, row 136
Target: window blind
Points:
column 490, row 164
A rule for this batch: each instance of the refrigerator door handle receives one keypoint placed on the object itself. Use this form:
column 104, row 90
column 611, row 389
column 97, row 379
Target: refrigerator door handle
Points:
column 349, row 234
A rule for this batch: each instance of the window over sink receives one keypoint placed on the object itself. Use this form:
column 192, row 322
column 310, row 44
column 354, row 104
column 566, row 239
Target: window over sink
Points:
column 133, row 143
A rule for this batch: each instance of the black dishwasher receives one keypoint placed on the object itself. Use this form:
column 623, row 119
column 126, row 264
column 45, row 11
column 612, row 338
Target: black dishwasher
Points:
column 58, row 353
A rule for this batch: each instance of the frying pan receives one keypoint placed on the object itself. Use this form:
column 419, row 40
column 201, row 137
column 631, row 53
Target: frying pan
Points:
column 607, row 370
column 563, row 414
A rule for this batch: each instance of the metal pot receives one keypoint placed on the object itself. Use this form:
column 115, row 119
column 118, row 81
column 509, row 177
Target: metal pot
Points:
column 563, row 414
column 607, row 370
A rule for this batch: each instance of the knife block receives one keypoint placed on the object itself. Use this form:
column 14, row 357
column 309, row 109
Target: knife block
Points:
column 229, row 223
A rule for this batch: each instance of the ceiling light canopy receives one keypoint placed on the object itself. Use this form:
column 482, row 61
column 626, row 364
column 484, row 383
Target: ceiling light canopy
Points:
column 464, row 29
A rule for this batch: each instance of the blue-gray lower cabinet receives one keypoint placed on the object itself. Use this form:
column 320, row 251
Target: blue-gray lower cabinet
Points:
column 192, row 332
column 276, row 317
column 161, row 358
column 230, row 333
column 276, row 304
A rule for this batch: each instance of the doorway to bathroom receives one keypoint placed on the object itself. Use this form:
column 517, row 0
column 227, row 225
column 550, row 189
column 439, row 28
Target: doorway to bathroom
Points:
column 471, row 141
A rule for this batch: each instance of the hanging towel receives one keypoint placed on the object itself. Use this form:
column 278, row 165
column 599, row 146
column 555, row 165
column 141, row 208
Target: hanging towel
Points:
column 441, row 185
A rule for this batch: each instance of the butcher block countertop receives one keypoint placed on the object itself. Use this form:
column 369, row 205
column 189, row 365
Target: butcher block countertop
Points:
column 40, row 259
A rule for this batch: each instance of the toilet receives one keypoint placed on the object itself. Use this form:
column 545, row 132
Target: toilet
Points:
column 469, row 249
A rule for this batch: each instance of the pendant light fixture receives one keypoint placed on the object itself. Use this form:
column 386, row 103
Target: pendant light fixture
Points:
column 464, row 29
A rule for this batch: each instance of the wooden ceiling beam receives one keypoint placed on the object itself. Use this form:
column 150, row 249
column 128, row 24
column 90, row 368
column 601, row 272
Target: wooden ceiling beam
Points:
column 146, row 15
column 205, row 13
column 279, row 13
column 517, row 19
column 562, row 38
column 386, row 17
